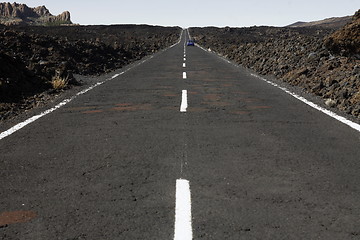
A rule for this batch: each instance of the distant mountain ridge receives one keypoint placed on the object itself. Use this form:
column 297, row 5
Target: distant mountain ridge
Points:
column 21, row 14
column 334, row 23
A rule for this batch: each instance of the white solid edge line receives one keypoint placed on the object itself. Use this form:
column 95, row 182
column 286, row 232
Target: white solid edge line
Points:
column 348, row 122
column 184, row 75
column 180, row 37
column 188, row 33
column 64, row 102
column 183, row 225
column 184, row 103
column 32, row 119
column 313, row 105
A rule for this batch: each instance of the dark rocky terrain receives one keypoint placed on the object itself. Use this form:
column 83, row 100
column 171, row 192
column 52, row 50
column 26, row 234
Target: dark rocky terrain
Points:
column 346, row 41
column 21, row 14
column 31, row 56
column 331, row 23
column 325, row 62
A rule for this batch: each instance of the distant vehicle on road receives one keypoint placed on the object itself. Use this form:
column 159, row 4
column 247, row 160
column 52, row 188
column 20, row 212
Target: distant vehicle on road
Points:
column 190, row 43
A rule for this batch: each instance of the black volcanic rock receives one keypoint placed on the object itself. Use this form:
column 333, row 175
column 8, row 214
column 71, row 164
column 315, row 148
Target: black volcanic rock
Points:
column 346, row 40
column 16, row 81
column 30, row 56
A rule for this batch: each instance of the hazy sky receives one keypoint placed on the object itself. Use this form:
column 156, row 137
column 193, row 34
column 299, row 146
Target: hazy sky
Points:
column 199, row 12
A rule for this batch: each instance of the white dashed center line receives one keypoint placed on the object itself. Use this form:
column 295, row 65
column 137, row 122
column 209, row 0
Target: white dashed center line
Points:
column 184, row 103
column 183, row 225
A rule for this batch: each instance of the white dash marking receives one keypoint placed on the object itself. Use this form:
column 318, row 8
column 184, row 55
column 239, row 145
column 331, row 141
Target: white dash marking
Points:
column 184, row 103
column 183, row 225
column 184, row 64
column 184, row 59
column 184, row 75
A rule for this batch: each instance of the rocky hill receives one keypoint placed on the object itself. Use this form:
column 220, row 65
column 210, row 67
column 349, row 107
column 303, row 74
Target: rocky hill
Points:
column 331, row 23
column 325, row 62
column 21, row 14
column 346, row 41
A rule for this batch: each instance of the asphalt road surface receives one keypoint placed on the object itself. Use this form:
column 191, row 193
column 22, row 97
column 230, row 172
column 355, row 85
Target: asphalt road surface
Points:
column 260, row 164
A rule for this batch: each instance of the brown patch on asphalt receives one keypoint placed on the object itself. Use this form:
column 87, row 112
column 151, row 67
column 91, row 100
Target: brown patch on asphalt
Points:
column 241, row 92
column 123, row 107
column 248, row 100
column 197, row 109
column 7, row 218
column 205, row 103
column 137, row 107
column 259, row 107
column 170, row 95
column 166, row 87
column 174, row 108
column 123, row 104
column 193, row 93
column 216, row 104
column 78, row 108
column 199, row 73
column 200, row 86
column 220, row 104
column 240, row 112
column 212, row 97
column 214, row 89
column 93, row 111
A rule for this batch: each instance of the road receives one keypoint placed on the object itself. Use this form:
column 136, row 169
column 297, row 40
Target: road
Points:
column 260, row 164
